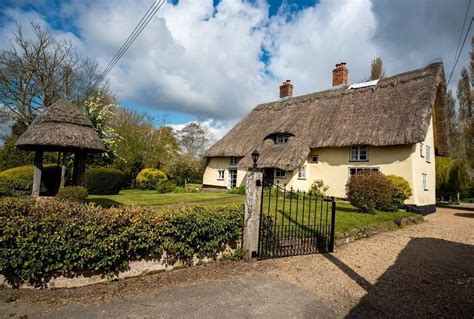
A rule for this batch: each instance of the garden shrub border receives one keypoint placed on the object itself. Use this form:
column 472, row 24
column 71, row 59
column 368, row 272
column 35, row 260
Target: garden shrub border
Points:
column 47, row 239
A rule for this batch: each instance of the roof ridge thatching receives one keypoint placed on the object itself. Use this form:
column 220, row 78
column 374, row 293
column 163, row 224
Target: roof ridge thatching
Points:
column 62, row 126
column 395, row 111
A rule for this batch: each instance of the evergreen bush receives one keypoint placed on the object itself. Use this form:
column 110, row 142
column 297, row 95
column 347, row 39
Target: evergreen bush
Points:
column 18, row 181
column 73, row 193
column 104, row 181
column 150, row 178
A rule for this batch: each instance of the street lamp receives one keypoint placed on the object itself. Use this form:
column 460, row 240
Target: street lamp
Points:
column 255, row 156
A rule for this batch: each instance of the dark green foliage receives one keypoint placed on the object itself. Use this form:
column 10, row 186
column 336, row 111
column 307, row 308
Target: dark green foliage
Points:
column 18, row 181
column 104, row 181
column 73, row 193
column 165, row 186
column 237, row 190
column 43, row 240
column 370, row 190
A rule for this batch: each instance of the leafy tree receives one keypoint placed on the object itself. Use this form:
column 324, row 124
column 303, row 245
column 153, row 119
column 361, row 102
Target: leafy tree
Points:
column 452, row 176
column 194, row 139
column 466, row 120
column 141, row 144
column 377, row 71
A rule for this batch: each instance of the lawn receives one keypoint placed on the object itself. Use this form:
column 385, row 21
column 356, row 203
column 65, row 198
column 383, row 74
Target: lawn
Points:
column 295, row 216
column 347, row 217
column 134, row 197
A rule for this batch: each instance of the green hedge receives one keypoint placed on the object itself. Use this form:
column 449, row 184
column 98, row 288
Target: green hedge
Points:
column 73, row 193
column 18, row 181
column 104, row 181
column 43, row 240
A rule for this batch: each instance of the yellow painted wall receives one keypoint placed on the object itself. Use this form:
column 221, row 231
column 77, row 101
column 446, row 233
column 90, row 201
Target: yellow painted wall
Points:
column 333, row 169
column 221, row 163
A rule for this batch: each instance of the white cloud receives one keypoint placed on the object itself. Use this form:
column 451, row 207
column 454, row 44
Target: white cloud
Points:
column 206, row 61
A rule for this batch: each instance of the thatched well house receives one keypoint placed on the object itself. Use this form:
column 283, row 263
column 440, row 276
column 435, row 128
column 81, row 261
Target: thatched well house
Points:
column 394, row 125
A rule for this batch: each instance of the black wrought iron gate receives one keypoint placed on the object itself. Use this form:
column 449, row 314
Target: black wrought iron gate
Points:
column 294, row 223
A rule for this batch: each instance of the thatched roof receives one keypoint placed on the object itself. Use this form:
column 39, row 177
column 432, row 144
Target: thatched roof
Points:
column 61, row 127
column 395, row 111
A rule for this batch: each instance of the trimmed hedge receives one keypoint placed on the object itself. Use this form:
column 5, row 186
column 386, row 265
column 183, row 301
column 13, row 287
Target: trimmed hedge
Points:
column 46, row 239
column 18, row 181
column 73, row 193
column 104, row 181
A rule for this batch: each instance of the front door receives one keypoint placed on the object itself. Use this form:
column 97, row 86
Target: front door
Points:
column 232, row 178
column 268, row 176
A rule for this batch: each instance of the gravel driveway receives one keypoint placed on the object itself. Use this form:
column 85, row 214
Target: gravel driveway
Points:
column 426, row 270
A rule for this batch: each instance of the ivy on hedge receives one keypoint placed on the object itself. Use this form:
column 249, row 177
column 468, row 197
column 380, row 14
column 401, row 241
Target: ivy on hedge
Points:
column 46, row 239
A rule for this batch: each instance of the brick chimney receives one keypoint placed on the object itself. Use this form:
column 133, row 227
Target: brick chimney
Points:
column 340, row 75
column 286, row 89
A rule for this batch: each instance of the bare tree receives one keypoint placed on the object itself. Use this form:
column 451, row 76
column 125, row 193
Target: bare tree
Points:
column 34, row 73
column 194, row 139
column 377, row 71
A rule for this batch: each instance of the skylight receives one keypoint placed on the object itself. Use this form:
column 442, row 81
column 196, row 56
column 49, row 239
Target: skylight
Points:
column 363, row 84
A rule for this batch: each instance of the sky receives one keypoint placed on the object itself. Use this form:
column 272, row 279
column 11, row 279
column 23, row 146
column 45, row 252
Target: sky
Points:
column 212, row 61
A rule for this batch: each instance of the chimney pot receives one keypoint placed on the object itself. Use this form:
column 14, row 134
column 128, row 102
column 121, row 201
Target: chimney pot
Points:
column 340, row 75
column 286, row 89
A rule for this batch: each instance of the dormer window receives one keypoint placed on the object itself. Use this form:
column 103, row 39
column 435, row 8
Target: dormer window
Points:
column 234, row 160
column 281, row 138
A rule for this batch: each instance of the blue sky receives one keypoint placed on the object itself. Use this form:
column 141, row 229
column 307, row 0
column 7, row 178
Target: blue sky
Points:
column 212, row 61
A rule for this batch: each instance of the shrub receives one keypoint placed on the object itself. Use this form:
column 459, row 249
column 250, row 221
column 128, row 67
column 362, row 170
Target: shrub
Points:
column 104, row 181
column 149, row 178
column 401, row 190
column 237, row 190
column 47, row 239
column 165, row 186
column 73, row 193
column 18, row 181
column 318, row 188
column 193, row 188
column 370, row 190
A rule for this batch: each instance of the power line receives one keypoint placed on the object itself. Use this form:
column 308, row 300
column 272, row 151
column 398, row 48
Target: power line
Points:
column 460, row 51
column 131, row 38
column 462, row 30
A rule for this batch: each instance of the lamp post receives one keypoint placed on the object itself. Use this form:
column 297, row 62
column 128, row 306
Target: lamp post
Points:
column 255, row 156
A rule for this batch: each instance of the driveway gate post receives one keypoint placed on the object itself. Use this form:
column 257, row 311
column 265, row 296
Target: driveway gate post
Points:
column 253, row 200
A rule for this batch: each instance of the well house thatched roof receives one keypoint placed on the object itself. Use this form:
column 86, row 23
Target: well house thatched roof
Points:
column 395, row 111
column 61, row 127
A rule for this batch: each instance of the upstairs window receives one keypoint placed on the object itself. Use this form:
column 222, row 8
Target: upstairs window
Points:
column 302, row 172
column 234, row 160
column 359, row 153
column 428, row 154
column 421, row 150
column 281, row 138
column 220, row 174
column 280, row 173
column 314, row 159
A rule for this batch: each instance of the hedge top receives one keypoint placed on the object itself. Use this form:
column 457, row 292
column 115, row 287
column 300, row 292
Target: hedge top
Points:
column 62, row 127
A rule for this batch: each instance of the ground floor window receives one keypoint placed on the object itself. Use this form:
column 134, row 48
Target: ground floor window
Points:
column 220, row 174
column 280, row 173
column 355, row 170
column 302, row 172
column 425, row 181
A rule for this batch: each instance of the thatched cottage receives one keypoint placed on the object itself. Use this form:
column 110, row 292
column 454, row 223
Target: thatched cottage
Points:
column 394, row 125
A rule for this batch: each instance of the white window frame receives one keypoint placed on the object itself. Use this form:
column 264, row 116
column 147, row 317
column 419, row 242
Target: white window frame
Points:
column 428, row 154
column 312, row 159
column 234, row 160
column 280, row 173
column 356, row 151
column 424, row 178
column 281, row 138
column 219, row 173
column 422, row 154
column 302, row 172
column 363, row 169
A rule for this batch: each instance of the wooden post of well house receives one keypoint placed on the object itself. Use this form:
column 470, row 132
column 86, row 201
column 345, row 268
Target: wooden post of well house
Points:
column 37, row 173
column 63, row 170
column 253, row 200
column 79, row 169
